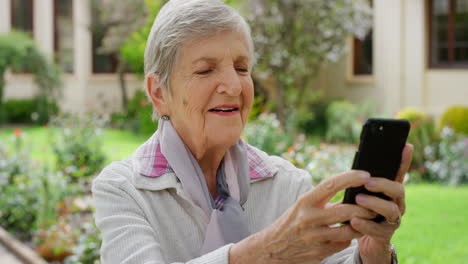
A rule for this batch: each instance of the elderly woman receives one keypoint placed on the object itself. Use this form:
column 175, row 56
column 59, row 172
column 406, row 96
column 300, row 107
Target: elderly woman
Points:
column 197, row 193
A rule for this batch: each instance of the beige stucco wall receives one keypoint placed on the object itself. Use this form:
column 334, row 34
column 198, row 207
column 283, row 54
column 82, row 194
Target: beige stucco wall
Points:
column 5, row 19
column 104, row 94
column 445, row 88
column 82, row 90
column 401, row 76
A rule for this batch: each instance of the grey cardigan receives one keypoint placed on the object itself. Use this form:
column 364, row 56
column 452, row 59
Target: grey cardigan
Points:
column 151, row 220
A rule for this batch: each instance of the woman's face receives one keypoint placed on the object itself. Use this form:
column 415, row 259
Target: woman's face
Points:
column 212, row 91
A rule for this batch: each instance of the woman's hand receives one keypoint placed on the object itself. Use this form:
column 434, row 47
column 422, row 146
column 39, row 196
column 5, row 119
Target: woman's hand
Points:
column 303, row 233
column 374, row 246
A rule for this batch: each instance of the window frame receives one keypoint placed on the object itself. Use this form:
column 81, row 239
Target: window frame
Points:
column 357, row 50
column 12, row 16
column 352, row 41
column 450, row 39
column 56, row 38
column 114, row 63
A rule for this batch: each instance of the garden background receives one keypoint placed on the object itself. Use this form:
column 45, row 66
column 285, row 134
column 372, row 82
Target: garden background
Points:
column 52, row 143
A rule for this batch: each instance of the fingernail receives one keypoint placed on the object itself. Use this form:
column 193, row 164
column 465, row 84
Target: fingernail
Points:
column 371, row 183
column 356, row 220
column 364, row 174
column 361, row 198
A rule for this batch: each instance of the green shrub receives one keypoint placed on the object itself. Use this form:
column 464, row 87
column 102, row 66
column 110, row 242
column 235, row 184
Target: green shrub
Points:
column 322, row 160
column 313, row 119
column 21, row 111
column 77, row 145
column 18, row 207
column 138, row 116
column 19, row 52
column 18, row 199
column 87, row 246
column 345, row 119
column 455, row 117
column 422, row 134
column 265, row 133
column 45, row 109
column 259, row 106
column 448, row 160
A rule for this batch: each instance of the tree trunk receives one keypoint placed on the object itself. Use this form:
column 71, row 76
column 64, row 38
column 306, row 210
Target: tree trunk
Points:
column 123, row 84
column 2, row 86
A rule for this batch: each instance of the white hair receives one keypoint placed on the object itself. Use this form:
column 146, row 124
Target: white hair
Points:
column 179, row 21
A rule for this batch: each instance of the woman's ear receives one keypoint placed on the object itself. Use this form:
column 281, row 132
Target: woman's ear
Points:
column 157, row 93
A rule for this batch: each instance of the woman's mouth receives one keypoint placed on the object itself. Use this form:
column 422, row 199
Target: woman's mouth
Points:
column 225, row 110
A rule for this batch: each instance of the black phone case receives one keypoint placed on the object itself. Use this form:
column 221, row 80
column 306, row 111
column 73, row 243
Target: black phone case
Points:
column 380, row 148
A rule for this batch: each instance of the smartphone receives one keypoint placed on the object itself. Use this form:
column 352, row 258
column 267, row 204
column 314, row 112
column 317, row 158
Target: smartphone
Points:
column 379, row 153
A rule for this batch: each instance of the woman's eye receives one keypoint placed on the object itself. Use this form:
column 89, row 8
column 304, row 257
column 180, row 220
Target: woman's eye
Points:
column 205, row 72
column 242, row 70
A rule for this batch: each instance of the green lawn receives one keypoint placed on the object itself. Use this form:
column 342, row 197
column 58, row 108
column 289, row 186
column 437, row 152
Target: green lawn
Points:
column 435, row 226
column 434, row 229
column 117, row 144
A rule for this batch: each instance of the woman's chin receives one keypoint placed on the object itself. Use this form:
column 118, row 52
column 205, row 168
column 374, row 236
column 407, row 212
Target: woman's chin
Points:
column 224, row 137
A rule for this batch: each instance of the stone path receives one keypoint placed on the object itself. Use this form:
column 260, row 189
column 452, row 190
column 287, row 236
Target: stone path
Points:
column 8, row 258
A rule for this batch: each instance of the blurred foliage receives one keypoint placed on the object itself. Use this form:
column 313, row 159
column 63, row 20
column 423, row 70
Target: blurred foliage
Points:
column 30, row 192
column 422, row 134
column 77, row 145
column 138, row 117
column 345, row 119
column 29, row 111
column 259, row 106
column 18, row 52
column 133, row 47
column 54, row 237
column 116, row 20
column 266, row 134
column 294, row 38
column 19, row 110
column 112, row 23
column 52, row 188
column 312, row 118
column 455, row 117
column 86, row 249
column 447, row 160
column 18, row 199
column 321, row 161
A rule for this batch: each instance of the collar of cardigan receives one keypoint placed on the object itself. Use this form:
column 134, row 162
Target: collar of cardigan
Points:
column 153, row 164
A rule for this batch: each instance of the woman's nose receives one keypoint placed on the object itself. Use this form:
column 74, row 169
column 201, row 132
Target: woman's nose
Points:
column 229, row 82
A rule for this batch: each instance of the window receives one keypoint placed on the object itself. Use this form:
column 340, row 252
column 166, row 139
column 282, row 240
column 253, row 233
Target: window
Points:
column 102, row 63
column 22, row 15
column 362, row 59
column 448, row 45
column 63, row 34
column 362, row 54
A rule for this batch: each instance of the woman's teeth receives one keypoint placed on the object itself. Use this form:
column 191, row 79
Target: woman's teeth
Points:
column 224, row 109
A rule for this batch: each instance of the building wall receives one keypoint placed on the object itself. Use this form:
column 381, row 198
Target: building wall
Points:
column 82, row 90
column 401, row 76
column 445, row 88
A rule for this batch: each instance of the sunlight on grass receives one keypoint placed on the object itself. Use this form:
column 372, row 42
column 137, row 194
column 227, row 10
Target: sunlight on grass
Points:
column 435, row 226
column 120, row 144
column 117, row 144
